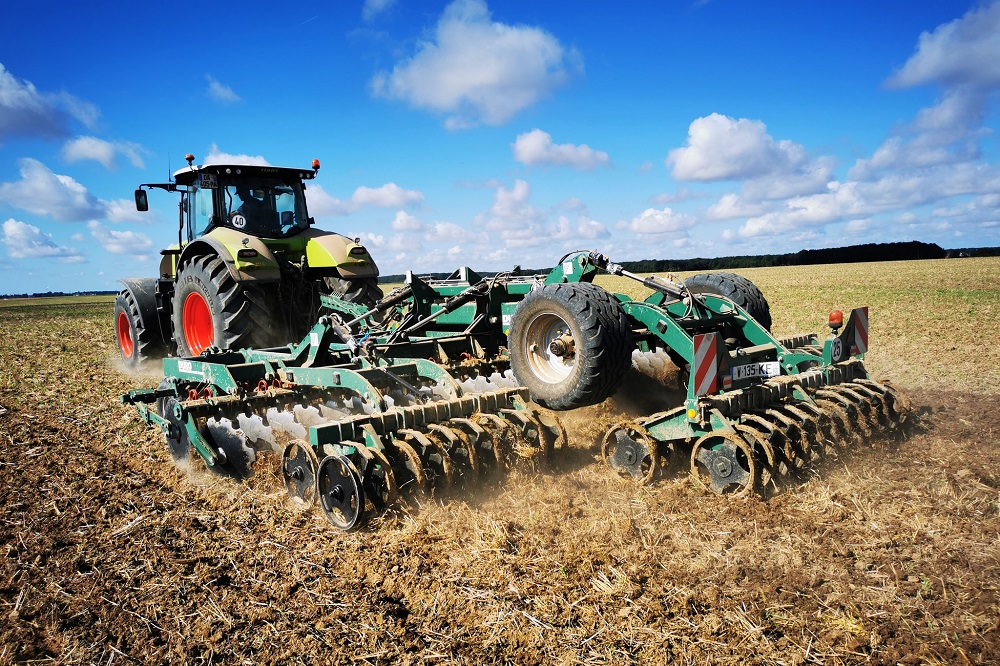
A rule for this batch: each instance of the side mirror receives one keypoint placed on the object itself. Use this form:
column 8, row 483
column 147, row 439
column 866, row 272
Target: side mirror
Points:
column 287, row 218
column 311, row 221
column 141, row 202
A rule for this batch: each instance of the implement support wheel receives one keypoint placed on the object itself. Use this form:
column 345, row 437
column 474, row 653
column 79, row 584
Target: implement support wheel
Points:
column 570, row 345
column 736, row 288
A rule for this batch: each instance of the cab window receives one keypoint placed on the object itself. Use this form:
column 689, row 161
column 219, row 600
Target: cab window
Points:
column 200, row 210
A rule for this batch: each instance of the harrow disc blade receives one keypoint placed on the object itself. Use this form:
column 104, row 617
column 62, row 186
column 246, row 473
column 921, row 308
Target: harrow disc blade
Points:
column 793, row 440
column 723, row 462
column 379, row 481
column 338, row 484
column 553, row 434
column 408, row 468
column 236, row 459
column 437, row 467
column 299, row 466
column 177, row 440
column 765, row 456
column 502, row 437
column 459, row 450
column 629, row 450
column 480, row 443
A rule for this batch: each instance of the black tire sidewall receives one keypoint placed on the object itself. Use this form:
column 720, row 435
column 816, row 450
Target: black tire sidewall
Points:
column 122, row 307
column 192, row 278
column 529, row 309
column 736, row 288
column 601, row 331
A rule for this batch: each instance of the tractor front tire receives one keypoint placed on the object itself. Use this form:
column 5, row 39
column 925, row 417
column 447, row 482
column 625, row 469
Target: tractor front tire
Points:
column 570, row 345
column 136, row 343
column 736, row 288
column 212, row 309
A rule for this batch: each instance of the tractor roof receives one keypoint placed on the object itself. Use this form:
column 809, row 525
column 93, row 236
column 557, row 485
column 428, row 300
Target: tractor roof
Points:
column 189, row 174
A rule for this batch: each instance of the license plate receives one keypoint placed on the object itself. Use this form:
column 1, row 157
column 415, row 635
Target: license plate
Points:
column 751, row 370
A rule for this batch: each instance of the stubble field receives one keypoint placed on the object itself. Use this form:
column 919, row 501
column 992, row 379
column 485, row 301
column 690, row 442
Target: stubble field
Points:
column 111, row 554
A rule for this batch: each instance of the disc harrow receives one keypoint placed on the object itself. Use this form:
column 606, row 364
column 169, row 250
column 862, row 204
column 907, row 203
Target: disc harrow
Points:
column 445, row 384
column 758, row 413
column 412, row 398
column 763, row 438
column 351, row 457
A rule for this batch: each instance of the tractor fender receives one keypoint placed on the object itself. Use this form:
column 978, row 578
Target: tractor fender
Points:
column 143, row 292
column 226, row 243
column 332, row 254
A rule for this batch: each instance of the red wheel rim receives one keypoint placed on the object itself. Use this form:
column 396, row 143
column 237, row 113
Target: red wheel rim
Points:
column 197, row 319
column 125, row 335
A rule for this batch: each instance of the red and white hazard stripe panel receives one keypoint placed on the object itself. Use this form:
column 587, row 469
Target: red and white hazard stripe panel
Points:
column 706, row 364
column 860, row 317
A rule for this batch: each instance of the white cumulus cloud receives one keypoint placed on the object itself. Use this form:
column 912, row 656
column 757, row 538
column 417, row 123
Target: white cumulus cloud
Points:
column 963, row 52
column 25, row 111
column 406, row 222
column 220, row 92
column 535, row 148
column 724, row 148
column 216, row 156
column 389, row 195
column 666, row 221
column 104, row 152
column 120, row 242
column 372, row 8
column 478, row 71
column 41, row 192
column 26, row 241
column 322, row 203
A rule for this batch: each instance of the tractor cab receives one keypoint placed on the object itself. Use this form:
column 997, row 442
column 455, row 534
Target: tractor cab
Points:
column 261, row 201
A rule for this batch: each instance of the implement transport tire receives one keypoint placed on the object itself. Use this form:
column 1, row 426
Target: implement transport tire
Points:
column 211, row 309
column 736, row 288
column 570, row 345
column 136, row 343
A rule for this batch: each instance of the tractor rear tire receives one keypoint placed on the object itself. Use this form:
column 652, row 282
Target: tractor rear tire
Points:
column 736, row 288
column 570, row 345
column 211, row 309
column 137, row 344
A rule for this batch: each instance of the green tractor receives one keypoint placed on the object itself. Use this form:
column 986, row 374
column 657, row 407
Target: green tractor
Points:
column 248, row 270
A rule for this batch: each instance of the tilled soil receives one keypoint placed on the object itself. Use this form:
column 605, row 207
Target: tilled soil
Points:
column 111, row 553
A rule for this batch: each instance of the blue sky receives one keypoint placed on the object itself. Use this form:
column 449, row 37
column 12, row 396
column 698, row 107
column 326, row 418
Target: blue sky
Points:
column 494, row 134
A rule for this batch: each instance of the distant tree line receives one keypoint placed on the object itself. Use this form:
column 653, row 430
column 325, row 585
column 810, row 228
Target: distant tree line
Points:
column 53, row 294
column 837, row 255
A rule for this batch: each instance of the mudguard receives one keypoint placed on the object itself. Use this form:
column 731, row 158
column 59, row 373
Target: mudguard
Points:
column 143, row 291
column 226, row 243
column 329, row 253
